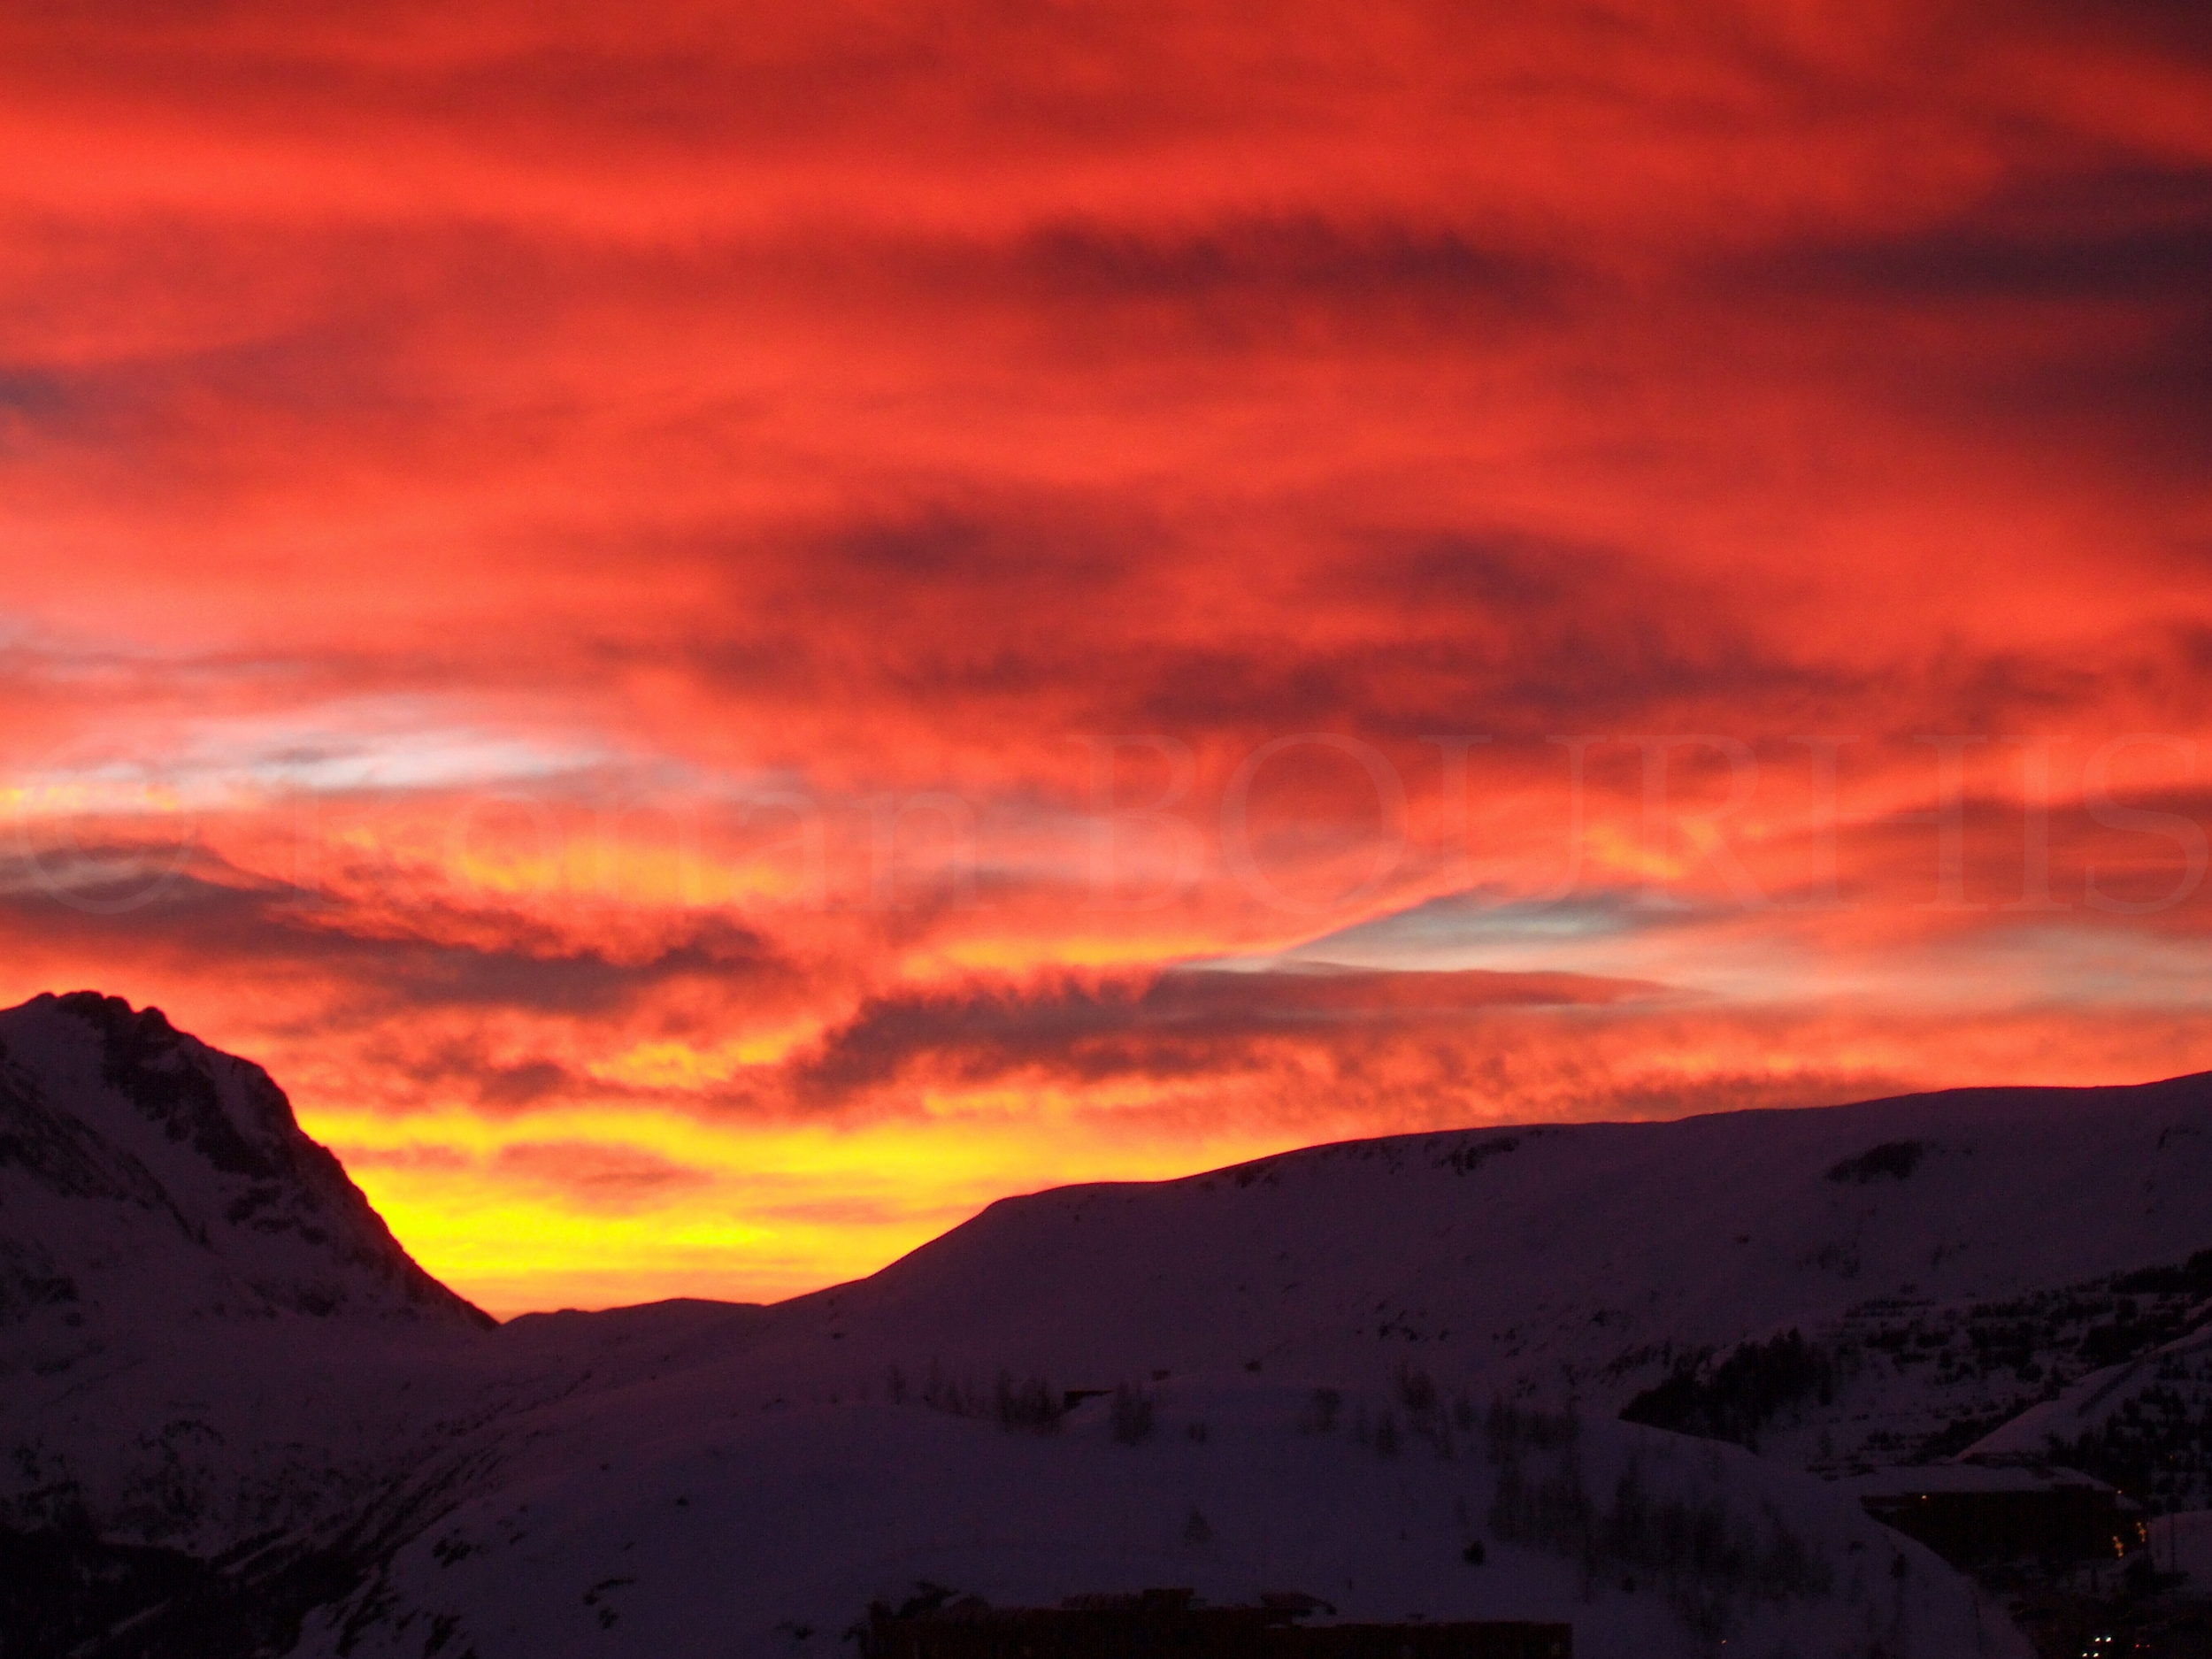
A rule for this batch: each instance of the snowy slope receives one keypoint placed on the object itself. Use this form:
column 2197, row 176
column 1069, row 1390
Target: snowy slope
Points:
column 203, row 1325
column 2145, row 1424
column 209, row 1338
column 756, row 1449
column 1583, row 1262
column 142, row 1170
column 662, row 1521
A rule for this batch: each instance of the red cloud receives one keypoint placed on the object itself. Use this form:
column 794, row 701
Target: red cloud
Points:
column 565, row 563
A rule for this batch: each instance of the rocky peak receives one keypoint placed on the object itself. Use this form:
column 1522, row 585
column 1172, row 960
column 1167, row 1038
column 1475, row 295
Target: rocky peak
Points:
column 133, row 1154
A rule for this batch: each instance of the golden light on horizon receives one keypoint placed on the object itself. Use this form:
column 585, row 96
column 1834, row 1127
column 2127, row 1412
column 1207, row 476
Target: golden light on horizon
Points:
column 720, row 643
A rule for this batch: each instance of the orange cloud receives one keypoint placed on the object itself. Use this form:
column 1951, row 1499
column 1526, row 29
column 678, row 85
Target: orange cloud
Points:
column 588, row 581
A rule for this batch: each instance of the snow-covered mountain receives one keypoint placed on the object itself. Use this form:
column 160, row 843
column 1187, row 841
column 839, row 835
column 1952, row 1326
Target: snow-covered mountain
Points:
column 187, row 1283
column 668, row 1518
column 1337, row 1370
column 145, row 1176
column 1947, row 1260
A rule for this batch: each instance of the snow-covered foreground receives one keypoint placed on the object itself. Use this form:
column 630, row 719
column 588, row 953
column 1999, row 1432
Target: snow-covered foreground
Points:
column 207, row 1337
column 660, row 1521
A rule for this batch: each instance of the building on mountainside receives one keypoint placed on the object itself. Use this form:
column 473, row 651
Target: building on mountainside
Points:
column 1170, row 1624
column 1980, row 1511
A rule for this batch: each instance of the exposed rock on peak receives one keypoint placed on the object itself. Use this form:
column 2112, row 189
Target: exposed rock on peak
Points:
column 118, row 1133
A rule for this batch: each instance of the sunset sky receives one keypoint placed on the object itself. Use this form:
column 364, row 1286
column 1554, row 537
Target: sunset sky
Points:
column 723, row 632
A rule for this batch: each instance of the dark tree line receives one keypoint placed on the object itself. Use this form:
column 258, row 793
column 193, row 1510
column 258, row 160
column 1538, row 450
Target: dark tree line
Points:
column 1735, row 1399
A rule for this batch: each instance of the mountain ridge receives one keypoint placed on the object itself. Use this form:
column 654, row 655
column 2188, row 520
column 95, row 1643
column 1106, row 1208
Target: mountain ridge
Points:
column 161, row 1122
column 376, row 1472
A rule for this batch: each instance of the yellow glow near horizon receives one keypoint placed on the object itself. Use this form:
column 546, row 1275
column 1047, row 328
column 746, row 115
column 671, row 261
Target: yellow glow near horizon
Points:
column 749, row 1213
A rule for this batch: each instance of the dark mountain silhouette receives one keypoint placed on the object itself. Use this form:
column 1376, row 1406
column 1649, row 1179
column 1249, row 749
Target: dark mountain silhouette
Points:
column 240, row 1419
